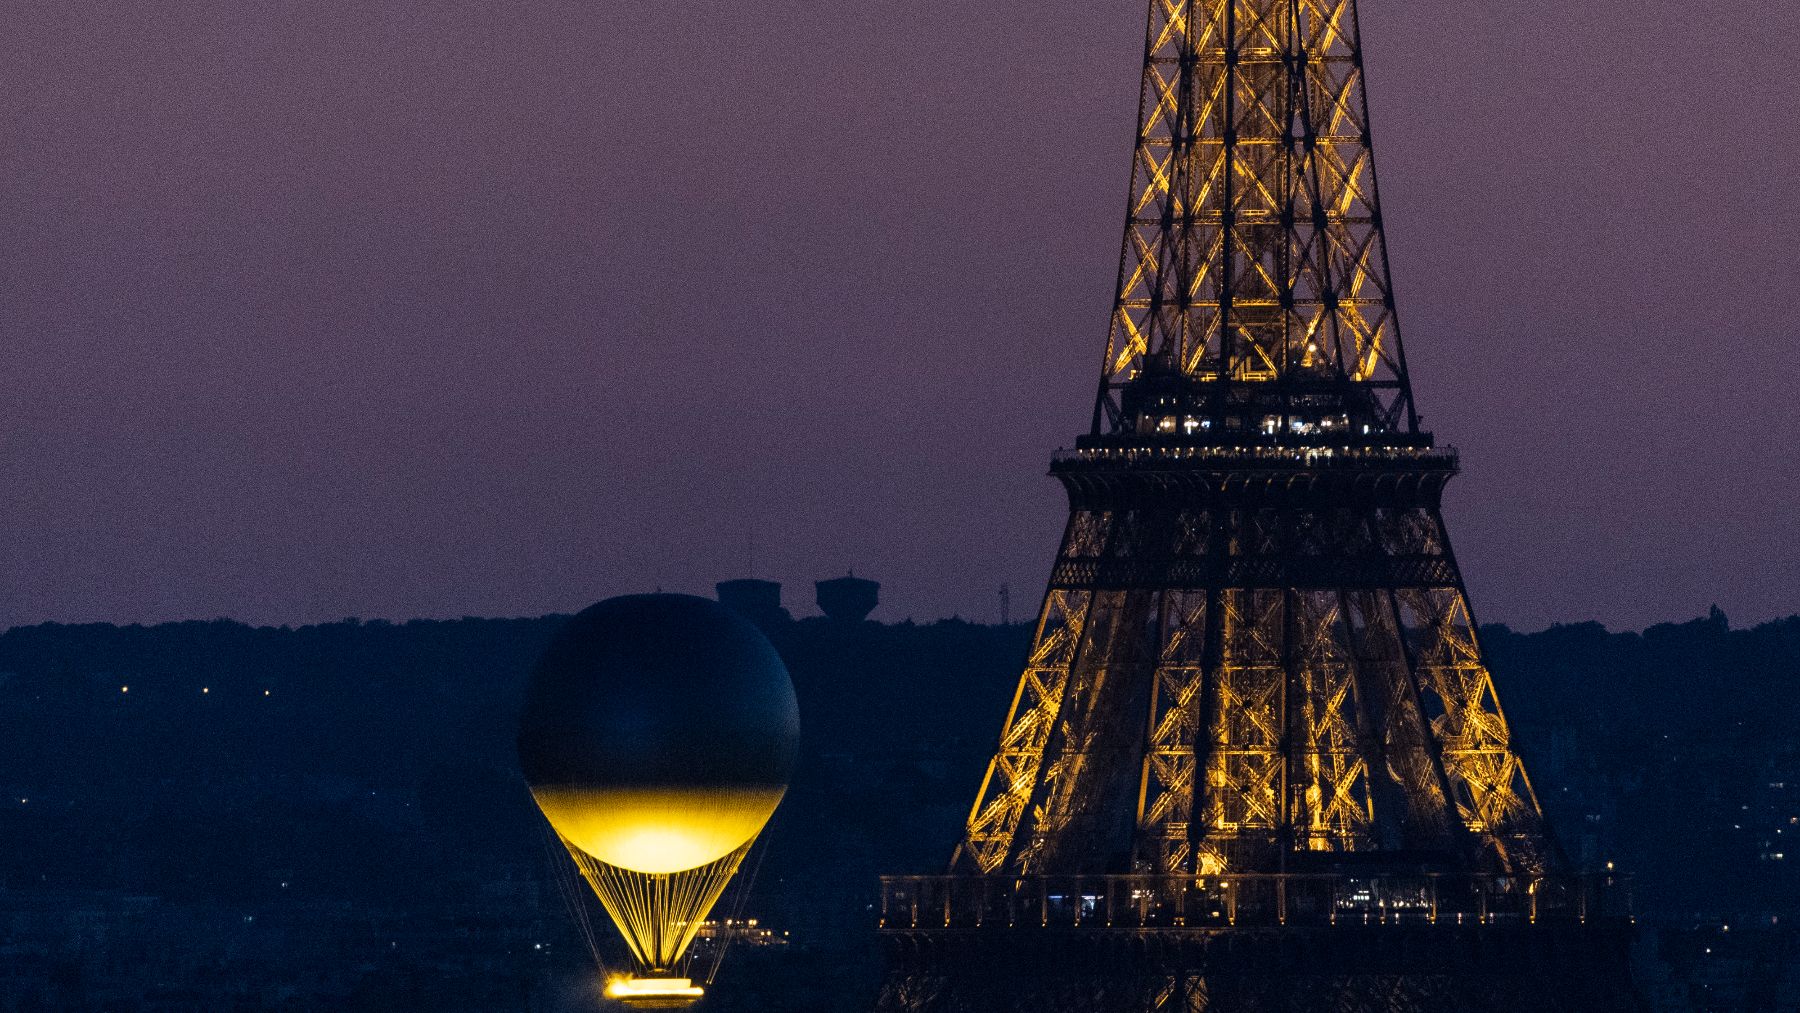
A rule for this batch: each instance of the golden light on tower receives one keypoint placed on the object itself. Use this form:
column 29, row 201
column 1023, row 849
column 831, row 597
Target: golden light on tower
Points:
column 1254, row 732
column 1255, row 615
column 658, row 736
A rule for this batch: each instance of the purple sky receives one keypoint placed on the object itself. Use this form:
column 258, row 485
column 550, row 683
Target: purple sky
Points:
column 317, row 308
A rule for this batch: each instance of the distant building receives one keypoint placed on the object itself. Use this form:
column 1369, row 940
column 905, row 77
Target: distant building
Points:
column 756, row 600
column 848, row 599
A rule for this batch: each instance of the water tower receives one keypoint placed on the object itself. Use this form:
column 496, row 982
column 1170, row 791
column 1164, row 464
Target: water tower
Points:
column 848, row 599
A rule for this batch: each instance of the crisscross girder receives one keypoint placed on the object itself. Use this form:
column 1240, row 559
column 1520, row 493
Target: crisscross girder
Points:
column 1253, row 249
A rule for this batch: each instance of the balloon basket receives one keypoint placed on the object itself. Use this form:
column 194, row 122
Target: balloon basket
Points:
column 654, row 993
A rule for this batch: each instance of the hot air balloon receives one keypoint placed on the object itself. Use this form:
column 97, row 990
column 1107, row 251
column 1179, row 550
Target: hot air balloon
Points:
column 658, row 736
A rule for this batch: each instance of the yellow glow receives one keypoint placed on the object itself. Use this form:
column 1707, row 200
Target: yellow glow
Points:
column 658, row 830
column 627, row 989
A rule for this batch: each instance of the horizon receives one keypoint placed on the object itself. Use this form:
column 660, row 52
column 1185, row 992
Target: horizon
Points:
column 1028, row 620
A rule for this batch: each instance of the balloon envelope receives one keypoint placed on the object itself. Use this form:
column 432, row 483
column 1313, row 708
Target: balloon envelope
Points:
column 659, row 732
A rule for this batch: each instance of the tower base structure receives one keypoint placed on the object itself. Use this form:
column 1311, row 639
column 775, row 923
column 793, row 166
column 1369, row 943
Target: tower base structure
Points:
column 1384, row 969
column 1051, row 946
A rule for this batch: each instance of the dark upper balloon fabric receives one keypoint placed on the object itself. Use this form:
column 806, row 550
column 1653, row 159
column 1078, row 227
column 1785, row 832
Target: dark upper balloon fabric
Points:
column 659, row 690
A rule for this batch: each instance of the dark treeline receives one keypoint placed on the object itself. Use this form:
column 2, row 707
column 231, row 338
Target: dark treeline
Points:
column 371, row 763
column 374, row 761
column 1675, row 752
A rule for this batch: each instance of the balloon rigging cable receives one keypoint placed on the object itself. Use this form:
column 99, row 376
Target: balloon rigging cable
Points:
column 659, row 914
column 744, row 885
column 574, row 893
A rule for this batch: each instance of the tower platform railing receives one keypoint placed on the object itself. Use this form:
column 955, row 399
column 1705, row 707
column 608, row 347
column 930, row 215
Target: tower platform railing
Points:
column 926, row 903
column 1322, row 454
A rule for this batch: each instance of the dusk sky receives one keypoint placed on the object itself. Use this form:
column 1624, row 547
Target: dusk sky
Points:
column 319, row 309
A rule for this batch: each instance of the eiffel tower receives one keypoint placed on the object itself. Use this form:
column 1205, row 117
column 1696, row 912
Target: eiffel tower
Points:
column 1255, row 760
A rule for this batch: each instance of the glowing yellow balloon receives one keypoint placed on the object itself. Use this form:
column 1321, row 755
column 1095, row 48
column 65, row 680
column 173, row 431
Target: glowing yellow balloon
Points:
column 658, row 830
column 657, row 737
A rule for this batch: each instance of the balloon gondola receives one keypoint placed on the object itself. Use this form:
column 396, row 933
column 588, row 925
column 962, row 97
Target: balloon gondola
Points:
column 658, row 735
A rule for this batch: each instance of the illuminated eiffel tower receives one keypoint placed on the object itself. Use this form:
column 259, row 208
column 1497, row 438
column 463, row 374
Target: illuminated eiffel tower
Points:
column 1255, row 760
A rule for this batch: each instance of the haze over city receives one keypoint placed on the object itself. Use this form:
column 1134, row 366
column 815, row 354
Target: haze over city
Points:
column 322, row 309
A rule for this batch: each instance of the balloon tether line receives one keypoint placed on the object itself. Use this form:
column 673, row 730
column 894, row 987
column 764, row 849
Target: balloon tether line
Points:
column 745, row 884
column 574, row 896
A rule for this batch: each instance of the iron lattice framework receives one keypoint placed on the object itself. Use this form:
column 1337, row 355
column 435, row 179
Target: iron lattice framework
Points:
column 1223, row 688
column 1255, row 759
column 1253, row 260
column 1255, row 648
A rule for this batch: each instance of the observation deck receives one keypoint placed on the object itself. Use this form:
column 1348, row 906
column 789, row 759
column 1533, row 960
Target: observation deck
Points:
column 1200, row 473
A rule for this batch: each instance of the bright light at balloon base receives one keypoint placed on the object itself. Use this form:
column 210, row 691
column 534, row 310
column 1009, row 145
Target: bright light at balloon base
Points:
column 654, row 993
